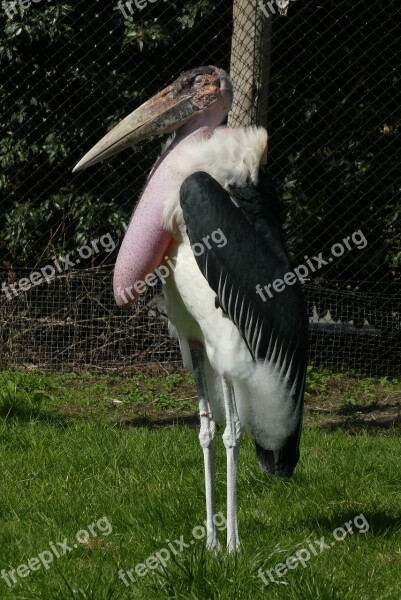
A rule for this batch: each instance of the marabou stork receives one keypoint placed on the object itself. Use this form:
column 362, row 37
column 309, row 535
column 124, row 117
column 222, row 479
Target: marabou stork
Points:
column 247, row 349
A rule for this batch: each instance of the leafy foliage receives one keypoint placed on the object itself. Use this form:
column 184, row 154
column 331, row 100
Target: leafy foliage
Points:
column 70, row 71
column 335, row 134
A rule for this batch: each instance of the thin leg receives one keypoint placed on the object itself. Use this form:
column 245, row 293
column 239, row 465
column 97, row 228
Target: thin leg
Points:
column 232, row 440
column 207, row 438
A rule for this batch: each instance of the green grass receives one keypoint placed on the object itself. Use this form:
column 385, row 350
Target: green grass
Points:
column 71, row 452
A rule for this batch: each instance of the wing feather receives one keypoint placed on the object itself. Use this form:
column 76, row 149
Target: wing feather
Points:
column 274, row 328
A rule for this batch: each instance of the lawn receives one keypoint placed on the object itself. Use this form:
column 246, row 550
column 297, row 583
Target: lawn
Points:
column 107, row 473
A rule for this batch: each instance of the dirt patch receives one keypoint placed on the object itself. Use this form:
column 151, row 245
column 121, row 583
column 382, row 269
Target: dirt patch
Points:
column 351, row 404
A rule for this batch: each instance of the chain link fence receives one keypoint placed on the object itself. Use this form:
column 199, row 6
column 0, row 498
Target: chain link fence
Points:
column 326, row 81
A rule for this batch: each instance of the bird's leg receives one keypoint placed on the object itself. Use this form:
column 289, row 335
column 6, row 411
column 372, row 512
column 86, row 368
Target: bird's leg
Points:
column 207, row 438
column 232, row 440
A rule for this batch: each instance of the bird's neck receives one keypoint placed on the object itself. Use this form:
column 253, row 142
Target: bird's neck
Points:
column 164, row 172
column 185, row 135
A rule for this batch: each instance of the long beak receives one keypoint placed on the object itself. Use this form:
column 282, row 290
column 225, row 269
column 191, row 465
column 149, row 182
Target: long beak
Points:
column 163, row 113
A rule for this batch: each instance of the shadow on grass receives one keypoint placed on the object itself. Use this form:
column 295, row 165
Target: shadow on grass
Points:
column 351, row 420
column 355, row 419
column 373, row 418
column 159, row 422
column 27, row 414
column 379, row 523
column 366, row 409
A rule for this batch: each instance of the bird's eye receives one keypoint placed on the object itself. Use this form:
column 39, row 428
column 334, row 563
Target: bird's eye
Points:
column 198, row 79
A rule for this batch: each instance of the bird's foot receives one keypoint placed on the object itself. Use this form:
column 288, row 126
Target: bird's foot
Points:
column 233, row 546
column 212, row 543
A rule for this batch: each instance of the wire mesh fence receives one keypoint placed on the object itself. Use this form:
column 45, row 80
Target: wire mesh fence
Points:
column 325, row 79
column 72, row 323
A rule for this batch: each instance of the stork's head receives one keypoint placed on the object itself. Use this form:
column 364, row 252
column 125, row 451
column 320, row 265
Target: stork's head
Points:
column 200, row 97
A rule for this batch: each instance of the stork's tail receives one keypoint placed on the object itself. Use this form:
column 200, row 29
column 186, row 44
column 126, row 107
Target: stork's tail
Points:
column 280, row 462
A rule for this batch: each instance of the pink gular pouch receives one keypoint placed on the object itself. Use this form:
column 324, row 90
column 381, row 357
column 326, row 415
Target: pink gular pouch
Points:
column 142, row 250
column 199, row 98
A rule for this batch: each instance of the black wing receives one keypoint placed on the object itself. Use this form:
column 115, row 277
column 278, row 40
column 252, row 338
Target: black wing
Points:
column 274, row 324
column 242, row 273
